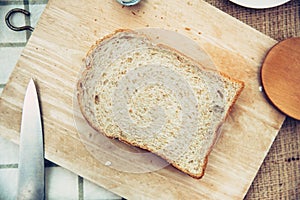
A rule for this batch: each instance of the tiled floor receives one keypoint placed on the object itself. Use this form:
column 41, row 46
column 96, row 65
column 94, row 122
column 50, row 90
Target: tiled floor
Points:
column 60, row 183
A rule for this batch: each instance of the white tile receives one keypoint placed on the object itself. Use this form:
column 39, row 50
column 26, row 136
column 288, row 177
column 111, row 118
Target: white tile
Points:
column 95, row 192
column 8, row 59
column 61, row 184
column 7, row 35
column 36, row 10
column 9, row 152
column 8, row 183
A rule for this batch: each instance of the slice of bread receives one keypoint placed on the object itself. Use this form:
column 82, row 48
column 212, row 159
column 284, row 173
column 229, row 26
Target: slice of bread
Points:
column 153, row 97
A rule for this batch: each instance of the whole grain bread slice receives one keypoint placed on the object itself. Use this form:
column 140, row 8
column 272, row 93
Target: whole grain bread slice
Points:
column 154, row 97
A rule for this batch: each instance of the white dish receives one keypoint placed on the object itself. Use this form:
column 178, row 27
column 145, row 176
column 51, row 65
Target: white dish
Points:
column 259, row 4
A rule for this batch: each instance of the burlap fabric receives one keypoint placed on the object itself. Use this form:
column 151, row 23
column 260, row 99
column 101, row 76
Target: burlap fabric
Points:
column 279, row 175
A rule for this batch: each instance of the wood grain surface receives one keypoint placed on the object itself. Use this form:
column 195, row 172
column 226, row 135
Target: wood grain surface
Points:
column 280, row 76
column 53, row 57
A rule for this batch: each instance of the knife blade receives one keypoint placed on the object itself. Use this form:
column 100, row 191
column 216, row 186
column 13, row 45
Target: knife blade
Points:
column 31, row 152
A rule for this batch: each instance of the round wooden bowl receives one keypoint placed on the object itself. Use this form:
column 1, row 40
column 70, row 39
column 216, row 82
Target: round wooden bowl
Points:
column 280, row 75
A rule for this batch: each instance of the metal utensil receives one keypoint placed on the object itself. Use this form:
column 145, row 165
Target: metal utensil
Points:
column 31, row 155
column 128, row 2
column 15, row 28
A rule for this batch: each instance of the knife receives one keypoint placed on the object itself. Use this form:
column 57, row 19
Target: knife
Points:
column 31, row 153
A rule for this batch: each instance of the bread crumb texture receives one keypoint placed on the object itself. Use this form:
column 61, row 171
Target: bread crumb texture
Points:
column 155, row 98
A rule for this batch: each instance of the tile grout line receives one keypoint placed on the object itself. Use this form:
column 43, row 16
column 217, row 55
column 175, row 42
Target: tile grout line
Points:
column 13, row 44
column 27, row 19
column 80, row 188
column 5, row 3
column 15, row 165
column 8, row 166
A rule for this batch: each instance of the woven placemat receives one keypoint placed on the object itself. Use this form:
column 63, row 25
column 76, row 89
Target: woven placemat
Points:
column 279, row 175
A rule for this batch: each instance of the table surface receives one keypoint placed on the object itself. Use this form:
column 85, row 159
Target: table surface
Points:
column 279, row 175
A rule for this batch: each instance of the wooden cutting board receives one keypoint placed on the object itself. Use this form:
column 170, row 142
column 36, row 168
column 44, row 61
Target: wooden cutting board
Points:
column 53, row 57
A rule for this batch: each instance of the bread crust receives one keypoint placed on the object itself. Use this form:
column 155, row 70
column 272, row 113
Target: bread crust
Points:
column 100, row 129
